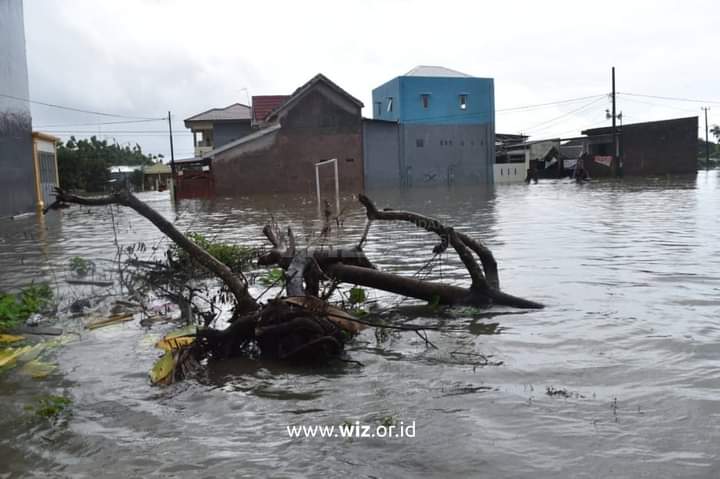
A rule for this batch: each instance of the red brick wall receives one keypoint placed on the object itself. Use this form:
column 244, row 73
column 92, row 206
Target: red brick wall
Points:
column 317, row 128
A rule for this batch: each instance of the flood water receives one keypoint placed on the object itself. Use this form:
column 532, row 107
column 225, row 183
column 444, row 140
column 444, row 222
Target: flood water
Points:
column 630, row 274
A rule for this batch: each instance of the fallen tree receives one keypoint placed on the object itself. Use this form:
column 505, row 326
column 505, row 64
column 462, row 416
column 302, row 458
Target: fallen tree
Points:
column 302, row 325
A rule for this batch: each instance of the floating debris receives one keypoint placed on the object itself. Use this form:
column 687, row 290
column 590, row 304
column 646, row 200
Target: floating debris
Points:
column 9, row 338
column 37, row 369
column 162, row 371
column 9, row 356
column 103, row 284
column 177, row 339
column 101, row 323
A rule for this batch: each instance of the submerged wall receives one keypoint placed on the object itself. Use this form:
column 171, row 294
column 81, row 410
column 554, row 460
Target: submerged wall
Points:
column 17, row 182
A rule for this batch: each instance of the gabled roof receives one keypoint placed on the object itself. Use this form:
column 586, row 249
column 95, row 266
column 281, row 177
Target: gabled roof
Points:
column 241, row 141
column 300, row 92
column 263, row 105
column 435, row 71
column 234, row 112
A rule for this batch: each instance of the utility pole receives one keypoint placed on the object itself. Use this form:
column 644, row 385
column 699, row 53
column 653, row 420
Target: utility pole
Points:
column 172, row 157
column 616, row 156
column 707, row 142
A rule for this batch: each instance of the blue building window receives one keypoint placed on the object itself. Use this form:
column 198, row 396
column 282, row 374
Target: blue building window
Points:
column 378, row 105
column 425, row 98
column 390, row 104
column 463, row 101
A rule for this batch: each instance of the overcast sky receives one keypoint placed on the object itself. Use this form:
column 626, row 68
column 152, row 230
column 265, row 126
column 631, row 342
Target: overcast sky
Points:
column 142, row 58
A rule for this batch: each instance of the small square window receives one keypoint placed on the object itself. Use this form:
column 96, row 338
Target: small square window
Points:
column 425, row 97
column 463, row 102
column 390, row 104
column 420, row 143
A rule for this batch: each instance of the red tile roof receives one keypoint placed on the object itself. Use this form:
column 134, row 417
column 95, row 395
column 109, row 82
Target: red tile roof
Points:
column 262, row 105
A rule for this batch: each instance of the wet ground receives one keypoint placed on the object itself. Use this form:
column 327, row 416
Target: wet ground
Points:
column 617, row 377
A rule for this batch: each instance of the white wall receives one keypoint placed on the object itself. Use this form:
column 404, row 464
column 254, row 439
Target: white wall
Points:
column 510, row 172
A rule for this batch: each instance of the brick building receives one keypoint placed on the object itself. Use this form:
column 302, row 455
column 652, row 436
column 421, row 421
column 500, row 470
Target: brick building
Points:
column 650, row 148
column 319, row 121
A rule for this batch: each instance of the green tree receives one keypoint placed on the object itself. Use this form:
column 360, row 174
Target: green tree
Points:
column 715, row 130
column 83, row 164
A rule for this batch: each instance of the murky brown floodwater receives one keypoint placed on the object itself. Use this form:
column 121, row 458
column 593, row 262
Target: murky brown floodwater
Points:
column 630, row 272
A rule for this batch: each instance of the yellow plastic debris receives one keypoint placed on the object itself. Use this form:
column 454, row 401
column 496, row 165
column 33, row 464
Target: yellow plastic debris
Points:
column 163, row 369
column 177, row 339
column 9, row 355
column 37, row 369
column 9, row 338
column 170, row 344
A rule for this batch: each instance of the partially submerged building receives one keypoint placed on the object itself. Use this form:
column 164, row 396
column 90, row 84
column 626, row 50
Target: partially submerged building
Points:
column 17, row 170
column 649, row 148
column 156, row 177
column 431, row 126
column 45, row 165
column 513, row 159
column 217, row 127
column 319, row 121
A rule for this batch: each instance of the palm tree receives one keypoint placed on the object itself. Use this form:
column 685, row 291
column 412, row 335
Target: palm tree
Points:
column 715, row 130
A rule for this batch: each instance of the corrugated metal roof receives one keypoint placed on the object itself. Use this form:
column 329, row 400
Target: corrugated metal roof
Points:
column 262, row 105
column 236, row 111
column 435, row 71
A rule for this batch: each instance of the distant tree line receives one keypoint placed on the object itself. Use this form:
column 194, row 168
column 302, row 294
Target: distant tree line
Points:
column 84, row 164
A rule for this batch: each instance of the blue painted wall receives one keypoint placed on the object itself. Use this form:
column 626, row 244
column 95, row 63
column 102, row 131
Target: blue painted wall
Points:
column 444, row 100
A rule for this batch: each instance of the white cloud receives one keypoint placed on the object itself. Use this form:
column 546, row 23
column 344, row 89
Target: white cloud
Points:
column 141, row 58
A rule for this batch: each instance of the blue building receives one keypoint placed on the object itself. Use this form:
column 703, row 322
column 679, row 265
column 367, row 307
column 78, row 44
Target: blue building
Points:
column 430, row 126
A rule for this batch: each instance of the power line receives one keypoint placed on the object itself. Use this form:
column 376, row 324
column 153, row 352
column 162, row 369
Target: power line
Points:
column 670, row 98
column 634, row 100
column 79, row 110
column 100, row 123
column 552, row 120
column 538, row 105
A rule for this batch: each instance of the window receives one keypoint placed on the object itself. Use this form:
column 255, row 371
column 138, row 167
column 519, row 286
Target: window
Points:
column 378, row 106
column 425, row 97
column 420, row 143
column 390, row 104
column 349, row 160
column 463, row 101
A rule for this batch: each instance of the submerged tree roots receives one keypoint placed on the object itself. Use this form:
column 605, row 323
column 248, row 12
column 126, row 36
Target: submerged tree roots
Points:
column 302, row 326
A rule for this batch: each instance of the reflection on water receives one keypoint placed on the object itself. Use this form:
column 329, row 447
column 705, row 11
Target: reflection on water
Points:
column 629, row 271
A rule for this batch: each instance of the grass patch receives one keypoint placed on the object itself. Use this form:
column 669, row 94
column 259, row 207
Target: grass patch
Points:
column 16, row 308
column 233, row 256
column 50, row 407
